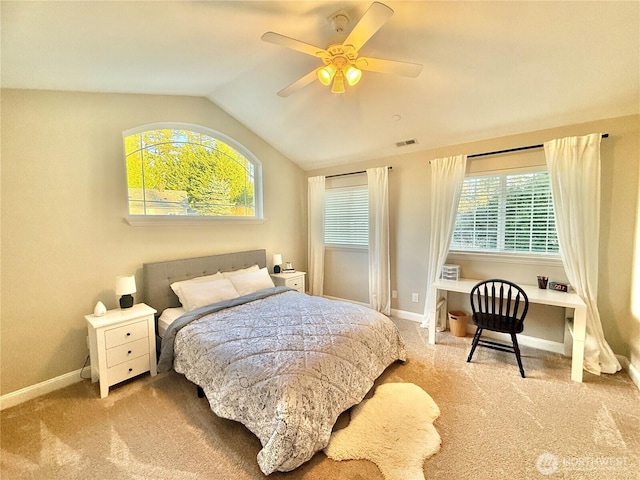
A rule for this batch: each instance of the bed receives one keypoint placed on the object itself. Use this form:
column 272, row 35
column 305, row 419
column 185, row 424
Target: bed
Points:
column 283, row 363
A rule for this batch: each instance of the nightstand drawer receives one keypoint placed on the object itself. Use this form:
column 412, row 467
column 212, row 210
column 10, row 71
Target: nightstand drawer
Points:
column 133, row 331
column 127, row 351
column 297, row 283
column 128, row 369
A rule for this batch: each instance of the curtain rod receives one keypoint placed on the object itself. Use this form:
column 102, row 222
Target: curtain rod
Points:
column 350, row 173
column 517, row 149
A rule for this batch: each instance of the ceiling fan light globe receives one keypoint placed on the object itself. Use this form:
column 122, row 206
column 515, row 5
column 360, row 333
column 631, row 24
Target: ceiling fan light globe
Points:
column 326, row 74
column 352, row 74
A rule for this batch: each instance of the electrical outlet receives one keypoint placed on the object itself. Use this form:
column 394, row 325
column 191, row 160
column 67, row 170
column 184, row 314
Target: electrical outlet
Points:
column 414, row 297
column 394, row 293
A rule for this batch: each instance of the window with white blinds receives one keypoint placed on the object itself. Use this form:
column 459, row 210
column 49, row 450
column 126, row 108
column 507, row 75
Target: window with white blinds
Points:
column 346, row 216
column 510, row 213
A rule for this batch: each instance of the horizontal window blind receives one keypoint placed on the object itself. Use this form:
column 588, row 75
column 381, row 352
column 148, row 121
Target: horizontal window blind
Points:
column 346, row 216
column 506, row 213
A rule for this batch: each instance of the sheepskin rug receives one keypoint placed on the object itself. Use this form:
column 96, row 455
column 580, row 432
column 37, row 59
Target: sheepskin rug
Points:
column 393, row 429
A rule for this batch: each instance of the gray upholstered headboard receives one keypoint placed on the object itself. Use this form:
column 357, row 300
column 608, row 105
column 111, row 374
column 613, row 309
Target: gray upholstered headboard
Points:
column 158, row 276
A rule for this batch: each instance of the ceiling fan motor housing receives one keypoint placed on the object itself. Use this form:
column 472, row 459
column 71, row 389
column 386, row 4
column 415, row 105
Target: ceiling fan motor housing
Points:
column 340, row 55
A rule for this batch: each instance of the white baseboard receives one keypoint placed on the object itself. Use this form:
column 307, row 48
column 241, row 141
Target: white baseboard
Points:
column 632, row 371
column 33, row 391
column 345, row 300
column 404, row 315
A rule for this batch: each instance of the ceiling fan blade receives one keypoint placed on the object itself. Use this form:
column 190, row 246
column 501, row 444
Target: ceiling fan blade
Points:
column 293, row 44
column 298, row 84
column 375, row 16
column 404, row 69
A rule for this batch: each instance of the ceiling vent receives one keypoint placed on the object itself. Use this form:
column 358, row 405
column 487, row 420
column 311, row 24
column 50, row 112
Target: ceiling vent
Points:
column 404, row 143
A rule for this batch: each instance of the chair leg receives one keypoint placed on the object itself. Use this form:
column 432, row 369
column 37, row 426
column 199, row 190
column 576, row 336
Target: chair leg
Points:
column 516, row 348
column 476, row 337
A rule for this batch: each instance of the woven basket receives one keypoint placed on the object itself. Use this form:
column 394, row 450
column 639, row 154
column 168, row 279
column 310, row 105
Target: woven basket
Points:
column 458, row 321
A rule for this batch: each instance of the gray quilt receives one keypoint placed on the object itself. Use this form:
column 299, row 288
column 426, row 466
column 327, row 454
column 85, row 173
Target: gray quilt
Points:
column 286, row 365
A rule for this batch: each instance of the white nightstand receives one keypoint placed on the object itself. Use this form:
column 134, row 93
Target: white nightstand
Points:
column 122, row 344
column 291, row 280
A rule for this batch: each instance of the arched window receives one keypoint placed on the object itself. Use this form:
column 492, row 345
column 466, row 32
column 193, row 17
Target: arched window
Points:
column 182, row 170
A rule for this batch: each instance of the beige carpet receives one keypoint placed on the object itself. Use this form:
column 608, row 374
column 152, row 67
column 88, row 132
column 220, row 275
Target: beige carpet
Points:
column 493, row 424
column 393, row 429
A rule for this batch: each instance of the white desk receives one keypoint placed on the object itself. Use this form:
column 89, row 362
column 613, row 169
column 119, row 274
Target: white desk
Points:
column 535, row 295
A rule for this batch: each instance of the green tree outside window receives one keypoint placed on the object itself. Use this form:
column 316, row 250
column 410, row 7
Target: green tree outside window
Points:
column 186, row 172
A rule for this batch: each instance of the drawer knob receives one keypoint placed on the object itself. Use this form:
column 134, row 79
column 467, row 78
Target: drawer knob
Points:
column 128, row 334
column 130, row 370
column 129, row 352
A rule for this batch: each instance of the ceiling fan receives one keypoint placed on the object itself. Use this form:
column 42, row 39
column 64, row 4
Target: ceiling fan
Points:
column 342, row 61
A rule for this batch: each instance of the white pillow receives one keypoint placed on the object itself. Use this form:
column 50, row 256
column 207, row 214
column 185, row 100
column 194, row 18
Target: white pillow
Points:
column 252, row 281
column 177, row 286
column 240, row 271
column 199, row 294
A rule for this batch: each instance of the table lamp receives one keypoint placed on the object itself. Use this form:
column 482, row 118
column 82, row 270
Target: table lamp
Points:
column 277, row 261
column 125, row 286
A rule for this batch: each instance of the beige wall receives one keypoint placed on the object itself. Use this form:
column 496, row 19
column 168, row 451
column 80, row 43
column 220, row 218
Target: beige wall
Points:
column 64, row 239
column 409, row 192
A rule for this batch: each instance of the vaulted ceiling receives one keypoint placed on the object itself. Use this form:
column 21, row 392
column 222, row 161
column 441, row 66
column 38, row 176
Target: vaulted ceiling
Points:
column 490, row 68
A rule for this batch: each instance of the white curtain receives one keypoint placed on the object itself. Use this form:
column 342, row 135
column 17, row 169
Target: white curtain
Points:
column 574, row 173
column 447, row 177
column 379, row 276
column 315, row 202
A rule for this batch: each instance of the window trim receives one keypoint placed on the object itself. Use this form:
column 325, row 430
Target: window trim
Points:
column 346, row 248
column 188, row 220
column 542, row 259
column 155, row 220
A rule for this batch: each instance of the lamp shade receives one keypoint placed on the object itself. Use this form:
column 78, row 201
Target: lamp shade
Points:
column 125, row 285
column 325, row 74
column 277, row 261
column 352, row 74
